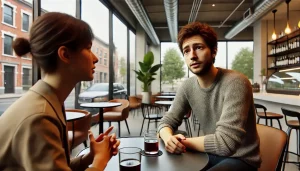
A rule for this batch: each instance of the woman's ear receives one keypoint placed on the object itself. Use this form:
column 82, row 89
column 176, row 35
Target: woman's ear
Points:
column 64, row 54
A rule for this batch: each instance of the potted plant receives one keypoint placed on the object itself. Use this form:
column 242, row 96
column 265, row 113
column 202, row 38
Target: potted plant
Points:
column 145, row 75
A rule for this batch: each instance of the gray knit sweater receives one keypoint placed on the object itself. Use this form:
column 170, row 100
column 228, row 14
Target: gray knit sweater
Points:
column 226, row 114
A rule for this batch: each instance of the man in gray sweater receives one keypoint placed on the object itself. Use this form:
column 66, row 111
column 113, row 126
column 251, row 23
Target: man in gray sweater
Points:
column 221, row 99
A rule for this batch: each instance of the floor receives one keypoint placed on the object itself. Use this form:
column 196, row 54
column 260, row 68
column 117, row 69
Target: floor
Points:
column 135, row 121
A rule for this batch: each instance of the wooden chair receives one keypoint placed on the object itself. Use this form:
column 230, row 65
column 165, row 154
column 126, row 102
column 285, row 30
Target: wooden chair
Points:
column 267, row 115
column 272, row 144
column 187, row 123
column 134, row 103
column 292, row 124
column 81, row 128
column 117, row 114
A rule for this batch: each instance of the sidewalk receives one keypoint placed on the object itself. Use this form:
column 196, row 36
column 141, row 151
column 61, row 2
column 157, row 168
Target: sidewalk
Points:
column 8, row 96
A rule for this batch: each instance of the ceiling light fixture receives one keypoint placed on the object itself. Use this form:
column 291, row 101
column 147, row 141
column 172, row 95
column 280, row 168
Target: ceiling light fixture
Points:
column 274, row 32
column 299, row 24
column 213, row 5
column 287, row 29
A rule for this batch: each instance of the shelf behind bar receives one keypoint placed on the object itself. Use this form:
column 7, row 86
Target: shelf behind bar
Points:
column 285, row 37
column 287, row 52
column 284, row 66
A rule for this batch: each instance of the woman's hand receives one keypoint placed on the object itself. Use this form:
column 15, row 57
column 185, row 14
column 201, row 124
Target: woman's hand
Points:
column 113, row 140
column 101, row 151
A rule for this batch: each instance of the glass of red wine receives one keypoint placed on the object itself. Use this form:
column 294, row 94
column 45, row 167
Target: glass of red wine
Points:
column 130, row 159
column 151, row 142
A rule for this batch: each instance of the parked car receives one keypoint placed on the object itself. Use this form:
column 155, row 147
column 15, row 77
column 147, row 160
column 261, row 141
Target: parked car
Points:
column 98, row 92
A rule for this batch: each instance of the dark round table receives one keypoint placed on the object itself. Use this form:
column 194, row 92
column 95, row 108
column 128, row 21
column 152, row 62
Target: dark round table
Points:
column 191, row 160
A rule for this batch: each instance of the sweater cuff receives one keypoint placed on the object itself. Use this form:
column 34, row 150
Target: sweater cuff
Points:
column 209, row 144
column 161, row 126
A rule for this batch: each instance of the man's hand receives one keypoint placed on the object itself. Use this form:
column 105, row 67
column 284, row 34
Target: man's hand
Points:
column 173, row 144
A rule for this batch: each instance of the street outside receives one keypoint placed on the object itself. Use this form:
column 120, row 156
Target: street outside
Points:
column 6, row 102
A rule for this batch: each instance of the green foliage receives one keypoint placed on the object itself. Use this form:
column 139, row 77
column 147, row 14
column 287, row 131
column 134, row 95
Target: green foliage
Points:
column 123, row 68
column 147, row 71
column 172, row 68
column 243, row 62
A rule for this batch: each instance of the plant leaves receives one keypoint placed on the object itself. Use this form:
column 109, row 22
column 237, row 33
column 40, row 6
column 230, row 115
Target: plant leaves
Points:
column 155, row 68
column 149, row 59
column 144, row 67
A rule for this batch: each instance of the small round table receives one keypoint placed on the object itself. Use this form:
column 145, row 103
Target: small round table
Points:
column 165, row 103
column 166, row 97
column 100, row 105
column 71, row 117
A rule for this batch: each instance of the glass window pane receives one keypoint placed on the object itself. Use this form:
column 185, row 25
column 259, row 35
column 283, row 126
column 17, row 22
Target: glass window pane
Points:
column 8, row 14
column 174, row 70
column 66, row 6
column 132, row 64
column 8, row 45
column 96, row 15
column 13, row 81
column 25, row 22
column 220, row 59
column 120, row 57
column 240, row 57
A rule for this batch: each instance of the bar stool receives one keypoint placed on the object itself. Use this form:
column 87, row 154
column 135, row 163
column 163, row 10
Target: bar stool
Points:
column 292, row 124
column 267, row 115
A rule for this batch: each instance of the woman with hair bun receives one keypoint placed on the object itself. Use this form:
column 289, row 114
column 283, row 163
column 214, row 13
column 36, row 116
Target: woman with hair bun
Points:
column 33, row 129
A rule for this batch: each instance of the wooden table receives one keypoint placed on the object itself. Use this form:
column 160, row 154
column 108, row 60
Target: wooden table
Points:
column 100, row 106
column 191, row 160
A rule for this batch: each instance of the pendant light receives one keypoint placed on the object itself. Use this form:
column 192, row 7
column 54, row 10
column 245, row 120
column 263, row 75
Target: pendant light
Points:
column 274, row 32
column 299, row 24
column 287, row 29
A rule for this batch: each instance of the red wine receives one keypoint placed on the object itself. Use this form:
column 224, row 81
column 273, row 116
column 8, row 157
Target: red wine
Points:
column 130, row 165
column 151, row 146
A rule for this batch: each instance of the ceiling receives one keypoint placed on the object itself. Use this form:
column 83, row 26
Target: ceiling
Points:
column 221, row 12
column 294, row 7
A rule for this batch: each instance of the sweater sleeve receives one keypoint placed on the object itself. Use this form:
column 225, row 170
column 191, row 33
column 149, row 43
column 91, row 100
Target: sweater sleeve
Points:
column 173, row 118
column 231, row 126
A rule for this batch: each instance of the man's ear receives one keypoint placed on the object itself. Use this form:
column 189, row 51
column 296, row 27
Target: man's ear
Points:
column 64, row 54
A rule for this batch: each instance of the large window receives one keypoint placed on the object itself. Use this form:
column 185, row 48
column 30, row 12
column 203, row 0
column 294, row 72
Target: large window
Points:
column 240, row 57
column 8, row 45
column 120, row 55
column 25, row 22
column 220, row 59
column 8, row 15
column 97, row 16
column 174, row 70
column 132, row 64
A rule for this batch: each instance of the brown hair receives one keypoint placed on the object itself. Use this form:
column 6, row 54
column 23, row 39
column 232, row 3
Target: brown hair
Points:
column 196, row 28
column 51, row 31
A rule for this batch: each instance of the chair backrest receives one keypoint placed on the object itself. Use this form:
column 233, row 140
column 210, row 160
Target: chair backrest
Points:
column 290, row 113
column 134, row 102
column 272, row 145
column 124, row 108
column 81, row 124
column 259, row 106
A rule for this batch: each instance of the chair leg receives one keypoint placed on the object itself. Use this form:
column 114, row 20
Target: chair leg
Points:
column 127, row 126
column 119, row 128
column 148, row 125
column 258, row 120
column 142, row 126
column 271, row 122
column 199, row 130
column 109, row 123
column 279, row 124
column 266, row 121
column 189, row 127
column 287, row 147
column 85, row 144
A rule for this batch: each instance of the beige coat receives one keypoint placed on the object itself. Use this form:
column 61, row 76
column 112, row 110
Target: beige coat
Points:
column 33, row 134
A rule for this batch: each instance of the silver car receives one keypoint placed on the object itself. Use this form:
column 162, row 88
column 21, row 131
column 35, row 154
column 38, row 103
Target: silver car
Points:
column 98, row 92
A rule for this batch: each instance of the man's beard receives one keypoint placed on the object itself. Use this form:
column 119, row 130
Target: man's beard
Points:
column 204, row 70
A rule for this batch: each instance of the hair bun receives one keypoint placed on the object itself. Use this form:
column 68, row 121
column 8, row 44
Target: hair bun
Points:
column 21, row 46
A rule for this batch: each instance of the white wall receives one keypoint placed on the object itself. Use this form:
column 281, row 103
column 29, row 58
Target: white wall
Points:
column 155, row 85
column 140, row 52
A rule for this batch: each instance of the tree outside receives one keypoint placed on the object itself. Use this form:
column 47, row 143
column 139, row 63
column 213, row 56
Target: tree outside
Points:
column 123, row 69
column 243, row 62
column 173, row 67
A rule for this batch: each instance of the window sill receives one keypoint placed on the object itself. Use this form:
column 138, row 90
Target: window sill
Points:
column 26, row 58
column 8, row 25
column 9, row 56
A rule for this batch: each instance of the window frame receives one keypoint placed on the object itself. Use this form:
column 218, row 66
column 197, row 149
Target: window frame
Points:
column 3, row 43
column 29, row 21
column 3, row 2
